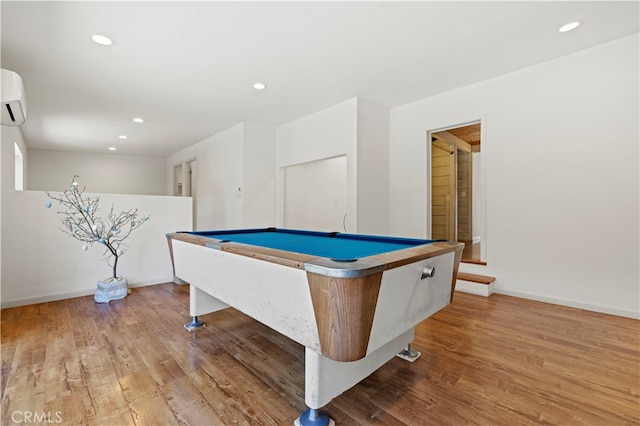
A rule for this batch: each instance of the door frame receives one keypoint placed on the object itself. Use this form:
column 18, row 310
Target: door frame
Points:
column 485, row 146
column 188, row 179
column 450, row 204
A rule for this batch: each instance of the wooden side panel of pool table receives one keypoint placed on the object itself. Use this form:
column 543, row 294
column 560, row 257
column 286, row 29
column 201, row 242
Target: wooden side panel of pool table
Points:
column 344, row 309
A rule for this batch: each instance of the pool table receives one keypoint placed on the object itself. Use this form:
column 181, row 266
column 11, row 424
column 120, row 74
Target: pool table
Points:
column 351, row 300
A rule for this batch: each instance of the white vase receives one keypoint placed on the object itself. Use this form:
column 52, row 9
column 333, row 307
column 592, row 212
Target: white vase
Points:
column 111, row 289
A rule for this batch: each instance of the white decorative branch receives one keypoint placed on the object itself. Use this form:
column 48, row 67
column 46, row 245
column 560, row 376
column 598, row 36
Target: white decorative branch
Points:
column 81, row 221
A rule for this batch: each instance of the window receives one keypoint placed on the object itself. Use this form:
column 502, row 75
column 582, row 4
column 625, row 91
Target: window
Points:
column 19, row 169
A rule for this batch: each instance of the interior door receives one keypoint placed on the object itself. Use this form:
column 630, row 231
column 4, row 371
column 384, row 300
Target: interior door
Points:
column 177, row 180
column 464, row 191
column 443, row 191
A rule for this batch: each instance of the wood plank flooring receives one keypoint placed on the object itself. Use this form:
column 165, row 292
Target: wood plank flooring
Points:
column 486, row 361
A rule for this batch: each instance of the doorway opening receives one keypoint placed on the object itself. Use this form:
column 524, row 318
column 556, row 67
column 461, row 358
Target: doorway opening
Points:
column 185, row 180
column 456, row 212
column 315, row 195
column 177, row 180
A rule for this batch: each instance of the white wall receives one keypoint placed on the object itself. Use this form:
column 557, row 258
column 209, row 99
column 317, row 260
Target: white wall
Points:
column 235, row 177
column 41, row 263
column 103, row 173
column 9, row 136
column 357, row 129
column 219, row 168
column 329, row 133
column 373, row 168
column 560, row 155
column 561, row 146
column 259, row 176
column 237, row 167
column 12, row 135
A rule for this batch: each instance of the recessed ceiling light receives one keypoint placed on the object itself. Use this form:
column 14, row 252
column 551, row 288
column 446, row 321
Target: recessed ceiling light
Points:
column 112, row 148
column 138, row 120
column 259, row 86
column 570, row 26
column 122, row 137
column 101, row 39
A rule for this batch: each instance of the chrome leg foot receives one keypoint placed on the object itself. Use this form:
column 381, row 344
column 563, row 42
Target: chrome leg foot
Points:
column 409, row 354
column 194, row 324
column 314, row 417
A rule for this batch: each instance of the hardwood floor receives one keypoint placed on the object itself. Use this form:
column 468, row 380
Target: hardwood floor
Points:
column 486, row 361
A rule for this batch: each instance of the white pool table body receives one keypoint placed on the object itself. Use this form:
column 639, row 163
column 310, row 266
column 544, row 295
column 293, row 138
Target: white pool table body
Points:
column 279, row 297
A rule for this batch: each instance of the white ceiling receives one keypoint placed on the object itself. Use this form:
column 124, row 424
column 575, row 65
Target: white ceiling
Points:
column 187, row 68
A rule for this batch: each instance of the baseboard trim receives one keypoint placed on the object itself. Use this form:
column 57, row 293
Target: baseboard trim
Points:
column 69, row 295
column 571, row 304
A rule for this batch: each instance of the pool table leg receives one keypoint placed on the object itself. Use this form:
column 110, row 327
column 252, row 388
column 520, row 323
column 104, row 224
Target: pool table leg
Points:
column 201, row 303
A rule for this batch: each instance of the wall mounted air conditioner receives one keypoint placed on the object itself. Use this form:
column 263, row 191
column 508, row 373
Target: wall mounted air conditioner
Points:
column 14, row 103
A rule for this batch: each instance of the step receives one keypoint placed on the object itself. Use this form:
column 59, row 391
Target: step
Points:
column 480, row 285
column 475, row 278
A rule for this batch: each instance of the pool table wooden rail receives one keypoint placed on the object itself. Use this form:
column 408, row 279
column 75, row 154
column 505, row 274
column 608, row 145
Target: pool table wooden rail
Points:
column 293, row 260
column 390, row 260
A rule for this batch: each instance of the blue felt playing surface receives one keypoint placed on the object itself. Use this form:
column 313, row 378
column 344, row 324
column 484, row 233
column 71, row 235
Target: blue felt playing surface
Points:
column 336, row 246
